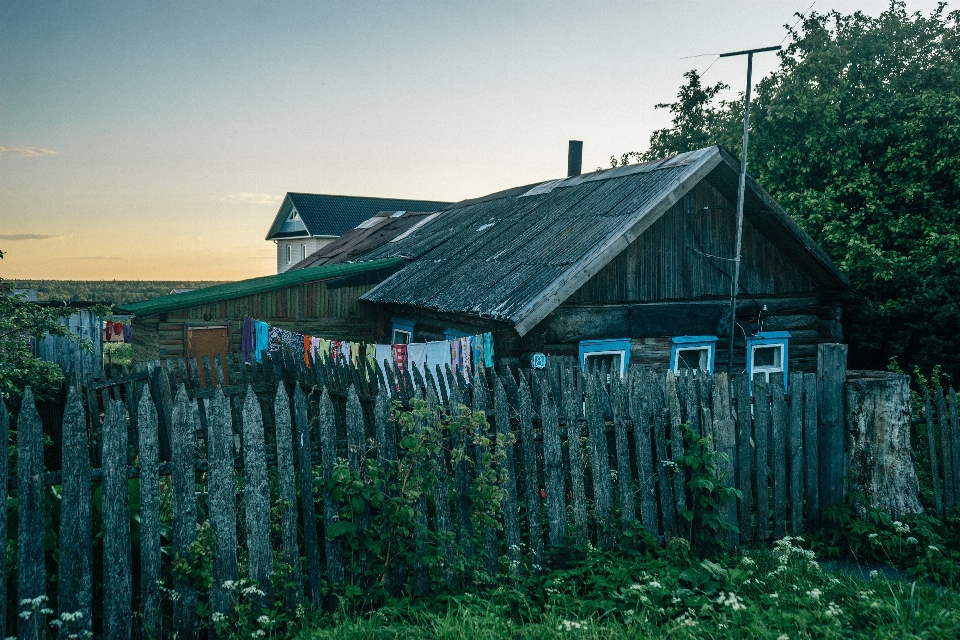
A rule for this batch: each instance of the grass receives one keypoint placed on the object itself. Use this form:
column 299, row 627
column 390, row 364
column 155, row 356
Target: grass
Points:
column 777, row 593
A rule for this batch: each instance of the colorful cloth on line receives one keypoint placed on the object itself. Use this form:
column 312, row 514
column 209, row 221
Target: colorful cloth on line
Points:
column 384, row 355
column 248, row 338
column 488, row 350
column 400, row 356
column 263, row 340
column 476, row 347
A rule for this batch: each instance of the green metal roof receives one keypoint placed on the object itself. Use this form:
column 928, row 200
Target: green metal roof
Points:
column 252, row 286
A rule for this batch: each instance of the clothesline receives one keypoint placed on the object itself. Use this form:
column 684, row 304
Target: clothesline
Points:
column 463, row 355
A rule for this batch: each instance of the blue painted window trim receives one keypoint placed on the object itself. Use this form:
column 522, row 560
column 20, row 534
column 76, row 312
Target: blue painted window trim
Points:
column 603, row 346
column 453, row 334
column 402, row 325
column 772, row 338
column 693, row 342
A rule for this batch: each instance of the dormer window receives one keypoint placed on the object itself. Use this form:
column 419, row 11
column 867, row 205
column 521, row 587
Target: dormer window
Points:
column 293, row 215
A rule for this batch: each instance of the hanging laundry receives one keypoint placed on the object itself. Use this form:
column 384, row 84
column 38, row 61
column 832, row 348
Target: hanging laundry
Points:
column 127, row 333
column 455, row 359
column 345, row 351
column 417, row 355
column 107, row 331
column 263, row 340
column 335, row 351
column 488, row 350
column 400, row 356
column 384, row 355
column 306, row 350
column 466, row 358
column 355, row 353
column 370, row 352
column 315, row 348
column 438, row 354
column 323, row 351
column 476, row 347
column 248, row 338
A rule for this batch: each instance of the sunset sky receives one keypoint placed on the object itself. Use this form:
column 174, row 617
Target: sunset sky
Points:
column 155, row 140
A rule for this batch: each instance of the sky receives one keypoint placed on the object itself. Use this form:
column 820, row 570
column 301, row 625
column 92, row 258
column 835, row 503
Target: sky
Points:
column 155, row 140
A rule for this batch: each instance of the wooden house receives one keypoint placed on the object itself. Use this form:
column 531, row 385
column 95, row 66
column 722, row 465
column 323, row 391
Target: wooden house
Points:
column 630, row 265
column 206, row 322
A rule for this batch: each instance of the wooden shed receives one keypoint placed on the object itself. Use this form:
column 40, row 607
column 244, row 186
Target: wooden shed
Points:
column 630, row 265
column 206, row 322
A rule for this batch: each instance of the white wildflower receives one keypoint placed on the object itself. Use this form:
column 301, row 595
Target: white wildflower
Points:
column 874, row 574
column 569, row 625
column 815, row 594
column 872, row 536
column 264, row 621
column 25, row 615
column 655, row 584
column 259, row 633
column 833, row 610
column 774, row 595
column 218, row 617
column 900, row 527
column 911, row 540
column 229, row 585
column 730, row 599
column 783, row 636
column 933, row 548
column 46, row 612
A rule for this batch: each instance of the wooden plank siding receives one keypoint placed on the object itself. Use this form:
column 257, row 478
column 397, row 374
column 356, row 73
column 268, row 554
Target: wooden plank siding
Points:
column 313, row 307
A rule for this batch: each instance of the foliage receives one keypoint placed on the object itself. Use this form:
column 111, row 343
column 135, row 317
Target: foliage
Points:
column 708, row 491
column 779, row 592
column 19, row 321
column 927, row 548
column 858, row 135
column 108, row 291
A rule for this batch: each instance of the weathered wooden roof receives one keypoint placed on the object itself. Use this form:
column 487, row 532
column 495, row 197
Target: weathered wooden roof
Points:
column 330, row 215
column 226, row 291
column 367, row 236
column 516, row 255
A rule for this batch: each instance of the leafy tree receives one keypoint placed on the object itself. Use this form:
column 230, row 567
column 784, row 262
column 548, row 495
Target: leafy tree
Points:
column 858, row 135
column 19, row 321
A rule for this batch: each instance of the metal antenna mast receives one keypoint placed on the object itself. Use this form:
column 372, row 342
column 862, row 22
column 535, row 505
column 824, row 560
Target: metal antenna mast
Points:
column 743, row 182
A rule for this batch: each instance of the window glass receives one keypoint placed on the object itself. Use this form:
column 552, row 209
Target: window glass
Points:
column 400, row 337
column 303, row 251
column 697, row 358
column 289, row 257
column 610, row 361
column 767, row 357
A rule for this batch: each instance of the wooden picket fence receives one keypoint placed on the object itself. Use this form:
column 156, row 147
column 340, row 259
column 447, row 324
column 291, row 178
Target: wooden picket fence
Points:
column 943, row 441
column 587, row 455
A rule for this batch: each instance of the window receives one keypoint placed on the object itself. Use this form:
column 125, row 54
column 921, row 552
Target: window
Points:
column 402, row 331
column 303, row 252
column 597, row 355
column 289, row 254
column 693, row 353
column 767, row 356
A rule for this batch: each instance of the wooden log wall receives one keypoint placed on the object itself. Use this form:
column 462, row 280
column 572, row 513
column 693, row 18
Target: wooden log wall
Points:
column 609, row 447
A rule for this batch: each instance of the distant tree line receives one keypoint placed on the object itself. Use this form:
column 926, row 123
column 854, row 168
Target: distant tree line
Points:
column 107, row 291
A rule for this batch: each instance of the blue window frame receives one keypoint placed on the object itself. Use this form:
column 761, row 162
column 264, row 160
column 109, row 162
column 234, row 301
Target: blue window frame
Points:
column 696, row 353
column 402, row 332
column 768, row 355
column 594, row 354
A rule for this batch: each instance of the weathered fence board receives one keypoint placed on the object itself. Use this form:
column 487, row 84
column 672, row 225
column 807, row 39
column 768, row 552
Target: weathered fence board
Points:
column 222, row 498
column 618, row 402
column 572, row 403
column 117, row 572
column 150, row 561
column 307, row 504
column 795, row 453
column 761, row 436
column 778, row 461
column 946, row 448
column 746, row 446
column 531, row 480
column 511, row 509
column 31, row 575
column 183, row 452
column 932, row 452
column 553, row 468
column 832, row 374
column 74, row 584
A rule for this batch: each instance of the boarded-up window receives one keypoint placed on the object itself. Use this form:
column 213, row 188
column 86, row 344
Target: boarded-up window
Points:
column 208, row 341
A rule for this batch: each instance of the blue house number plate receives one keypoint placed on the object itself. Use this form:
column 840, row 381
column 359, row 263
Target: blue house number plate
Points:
column 538, row 361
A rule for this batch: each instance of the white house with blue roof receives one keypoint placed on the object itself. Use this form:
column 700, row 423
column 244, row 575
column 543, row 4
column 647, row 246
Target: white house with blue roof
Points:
column 307, row 222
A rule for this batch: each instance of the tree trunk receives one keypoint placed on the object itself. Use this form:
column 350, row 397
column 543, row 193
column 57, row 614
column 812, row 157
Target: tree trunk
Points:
column 882, row 474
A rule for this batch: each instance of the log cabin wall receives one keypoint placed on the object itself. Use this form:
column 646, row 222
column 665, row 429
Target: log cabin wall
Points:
column 322, row 308
column 675, row 280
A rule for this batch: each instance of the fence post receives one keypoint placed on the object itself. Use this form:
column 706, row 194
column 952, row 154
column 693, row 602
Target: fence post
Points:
column 74, row 593
column 221, row 480
column 640, row 414
column 479, row 402
column 946, row 451
column 795, row 455
column 955, row 442
column 184, row 507
column 745, row 455
column 4, row 495
column 511, row 510
column 256, row 496
column 531, row 480
column 676, row 452
column 664, row 477
column 932, row 450
column 117, row 574
column 305, row 459
column 331, row 511
column 778, row 465
column 761, row 435
column 724, row 431
column 831, row 376
column 148, row 432
column 553, row 468
column 31, row 574
column 573, row 406
column 618, row 404
column 356, row 441
column 811, row 445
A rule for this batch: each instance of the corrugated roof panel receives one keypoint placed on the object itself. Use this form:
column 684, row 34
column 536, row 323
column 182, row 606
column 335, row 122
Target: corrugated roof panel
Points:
column 331, row 215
